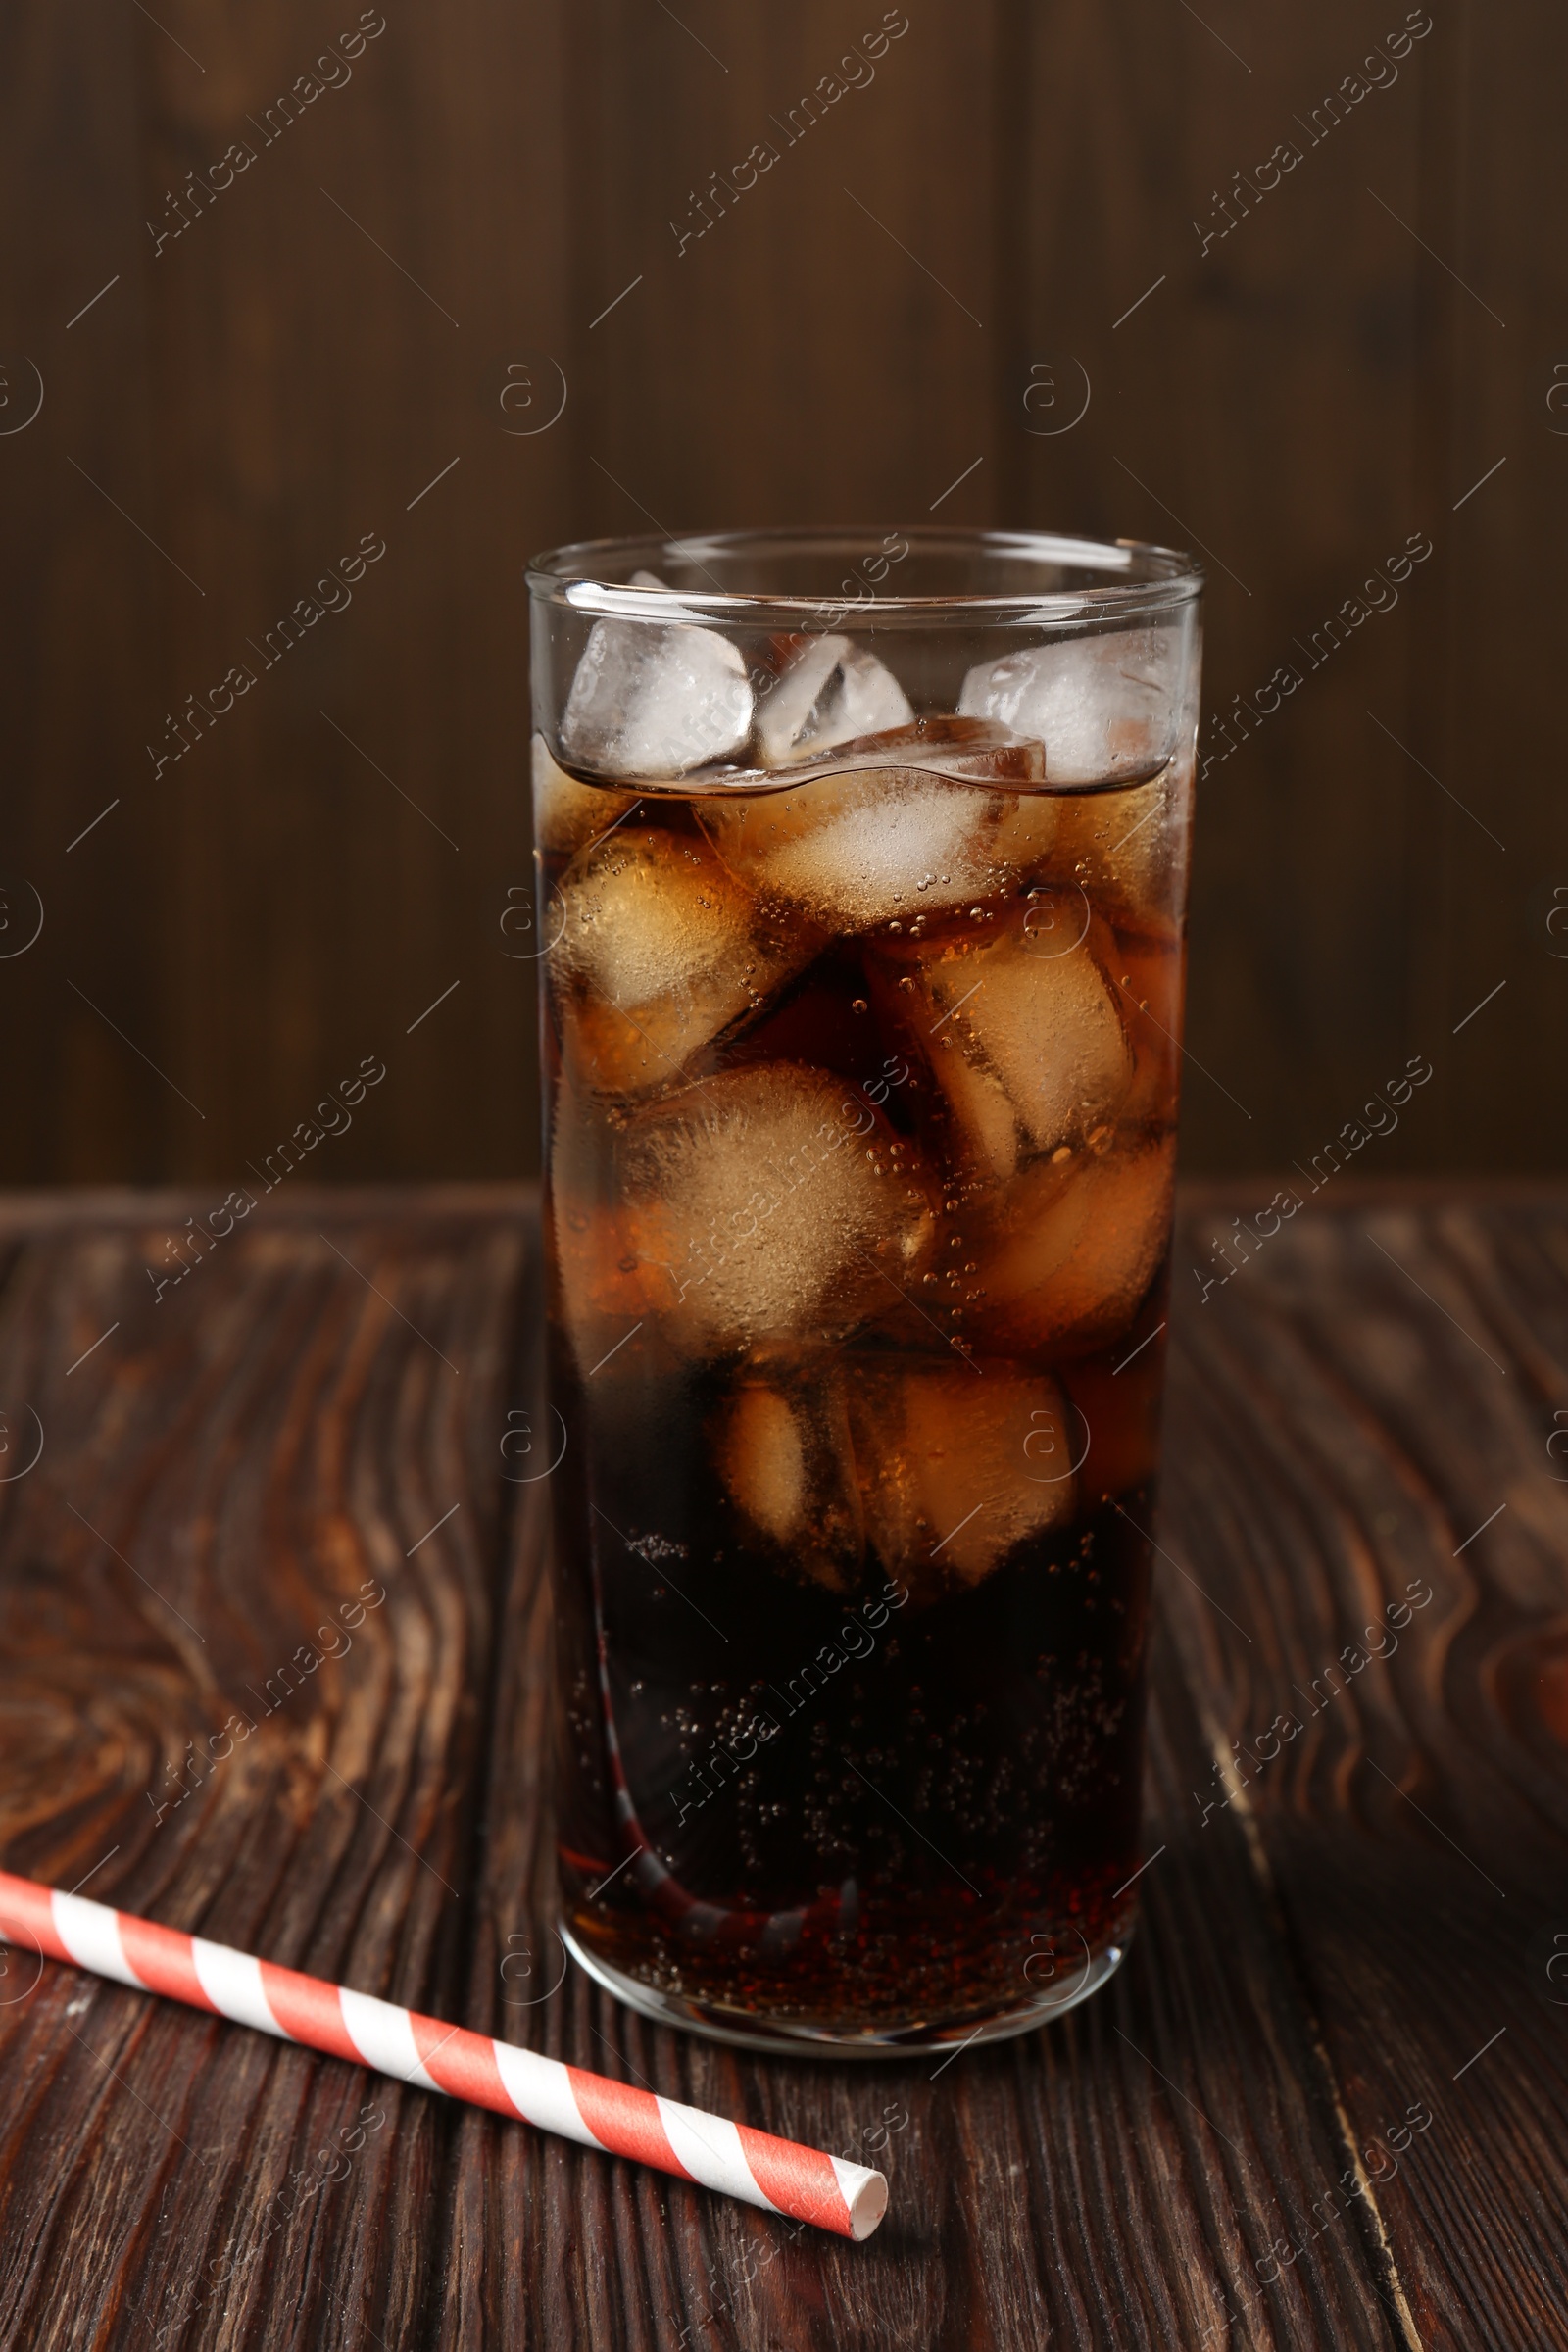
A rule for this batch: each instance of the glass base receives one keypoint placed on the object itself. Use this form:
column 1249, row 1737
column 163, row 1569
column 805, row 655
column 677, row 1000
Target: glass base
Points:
column 783, row 2037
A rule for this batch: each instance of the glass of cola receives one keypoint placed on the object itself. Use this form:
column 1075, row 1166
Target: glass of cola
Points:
column 862, row 878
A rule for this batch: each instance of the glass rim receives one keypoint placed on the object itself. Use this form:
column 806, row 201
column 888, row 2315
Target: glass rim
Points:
column 1158, row 579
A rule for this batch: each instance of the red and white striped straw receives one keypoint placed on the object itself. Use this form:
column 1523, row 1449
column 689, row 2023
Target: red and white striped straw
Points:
column 778, row 2175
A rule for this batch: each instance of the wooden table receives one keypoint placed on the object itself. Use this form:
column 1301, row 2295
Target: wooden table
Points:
column 1324, row 2103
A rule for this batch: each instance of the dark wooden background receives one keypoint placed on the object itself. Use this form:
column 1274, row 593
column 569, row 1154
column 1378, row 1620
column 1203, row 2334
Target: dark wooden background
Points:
column 334, row 330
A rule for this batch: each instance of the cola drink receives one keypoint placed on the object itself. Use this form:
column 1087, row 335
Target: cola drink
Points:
column 859, row 1028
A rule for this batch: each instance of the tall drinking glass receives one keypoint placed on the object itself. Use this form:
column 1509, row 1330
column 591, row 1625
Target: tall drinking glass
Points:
column 862, row 905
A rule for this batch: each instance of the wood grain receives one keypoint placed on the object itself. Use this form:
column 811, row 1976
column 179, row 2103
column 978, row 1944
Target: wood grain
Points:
column 1371, row 1403
column 220, row 1479
column 1210, row 2154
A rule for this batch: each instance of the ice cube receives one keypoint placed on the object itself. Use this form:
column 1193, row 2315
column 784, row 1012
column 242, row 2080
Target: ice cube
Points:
column 780, row 1208
column 958, row 1463
column 1073, row 1247
column 659, row 952
column 902, row 827
column 566, row 814
column 829, row 692
column 1028, row 1048
column 1103, row 706
column 655, row 701
column 872, row 846
column 781, row 1445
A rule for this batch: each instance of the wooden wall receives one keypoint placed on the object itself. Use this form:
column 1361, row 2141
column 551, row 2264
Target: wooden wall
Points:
column 1008, row 209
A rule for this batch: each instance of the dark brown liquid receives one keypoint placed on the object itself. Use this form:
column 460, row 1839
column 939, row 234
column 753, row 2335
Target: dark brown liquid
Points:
column 859, row 1367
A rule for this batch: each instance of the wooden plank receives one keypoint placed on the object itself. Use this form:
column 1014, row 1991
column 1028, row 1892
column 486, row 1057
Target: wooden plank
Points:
column 282, row 897
column 1369, row 1406
column 1297, row 395
column 222, row 1478
column 1492, row 451
column 334, row 332
column 82, row 606
column 822, row 348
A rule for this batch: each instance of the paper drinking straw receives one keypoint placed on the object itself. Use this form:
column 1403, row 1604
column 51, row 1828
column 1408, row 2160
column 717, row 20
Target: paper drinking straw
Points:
column 778, row 2175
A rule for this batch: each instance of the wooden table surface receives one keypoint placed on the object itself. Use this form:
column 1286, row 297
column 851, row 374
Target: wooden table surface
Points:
column 1324, row 2103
